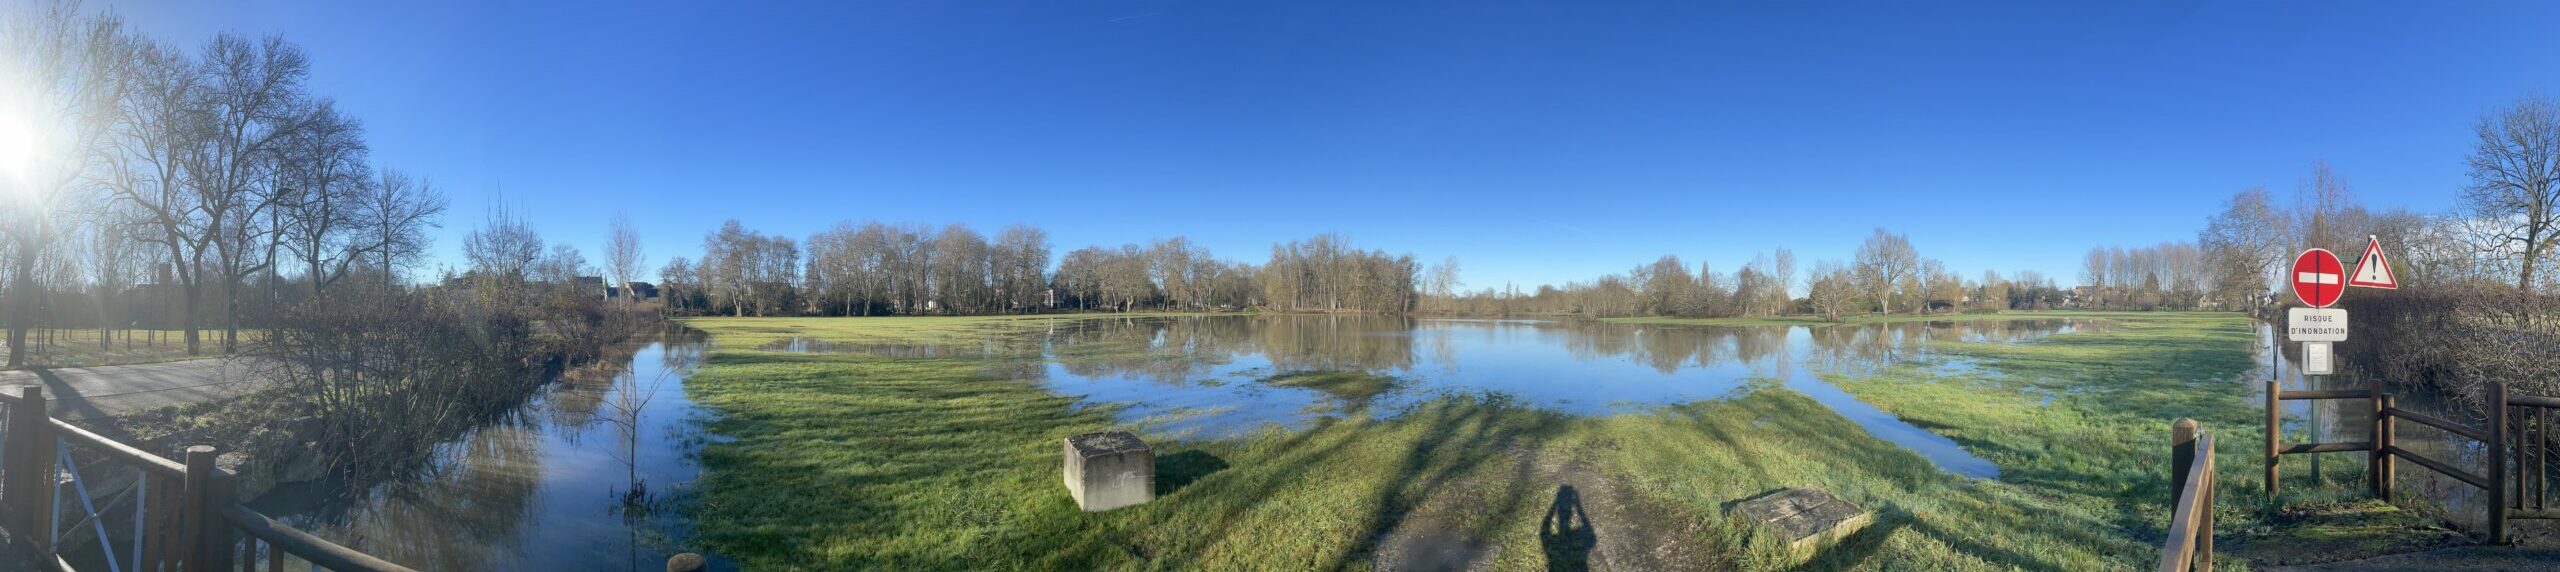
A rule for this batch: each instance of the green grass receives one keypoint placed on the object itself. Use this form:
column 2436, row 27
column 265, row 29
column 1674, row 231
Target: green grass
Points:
column 79, row 347
column 854, row 461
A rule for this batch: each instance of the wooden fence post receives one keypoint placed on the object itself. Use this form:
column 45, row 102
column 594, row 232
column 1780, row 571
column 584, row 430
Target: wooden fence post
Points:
column 2275, row 425
column 207, row 493
column 2182, row 456
column 2212, row 481
column 2387, row 434
column 2497, row 463
column 29, row 504
column 2373, row 476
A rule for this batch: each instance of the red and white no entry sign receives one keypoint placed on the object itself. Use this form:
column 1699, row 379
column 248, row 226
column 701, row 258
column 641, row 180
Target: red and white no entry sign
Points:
column 2318, row 278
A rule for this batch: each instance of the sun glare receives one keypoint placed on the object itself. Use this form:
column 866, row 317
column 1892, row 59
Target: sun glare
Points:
column 18, row 147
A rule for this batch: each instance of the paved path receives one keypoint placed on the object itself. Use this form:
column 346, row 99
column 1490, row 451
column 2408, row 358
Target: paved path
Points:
column 85, row 393
column 2458, row 559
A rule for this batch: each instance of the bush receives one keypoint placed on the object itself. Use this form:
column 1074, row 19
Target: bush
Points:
column 2455, row 339
column 382, row 375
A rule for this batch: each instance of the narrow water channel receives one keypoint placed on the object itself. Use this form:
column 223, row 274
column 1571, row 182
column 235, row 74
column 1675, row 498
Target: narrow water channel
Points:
column 543, row 488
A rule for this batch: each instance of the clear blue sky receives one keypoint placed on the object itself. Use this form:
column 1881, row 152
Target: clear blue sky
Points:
column 1537, row 142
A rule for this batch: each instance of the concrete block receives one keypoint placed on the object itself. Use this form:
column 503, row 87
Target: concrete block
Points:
column 1109, row 470
column 1805, row 520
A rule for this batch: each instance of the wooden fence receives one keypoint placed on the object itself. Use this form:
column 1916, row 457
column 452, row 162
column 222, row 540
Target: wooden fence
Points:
column 2515, row 441
column 2191, row 486
column 182, row 514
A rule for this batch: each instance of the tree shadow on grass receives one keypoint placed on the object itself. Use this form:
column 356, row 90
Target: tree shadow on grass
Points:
column 1178, row 470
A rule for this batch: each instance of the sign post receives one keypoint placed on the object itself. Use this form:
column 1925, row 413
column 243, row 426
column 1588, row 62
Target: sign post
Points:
column 2318, row 280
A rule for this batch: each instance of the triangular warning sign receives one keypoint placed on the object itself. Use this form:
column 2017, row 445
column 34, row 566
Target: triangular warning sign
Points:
column 2374, row 270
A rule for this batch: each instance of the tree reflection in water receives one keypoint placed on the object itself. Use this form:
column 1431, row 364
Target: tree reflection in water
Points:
column 1213, row 373
column 543, row 488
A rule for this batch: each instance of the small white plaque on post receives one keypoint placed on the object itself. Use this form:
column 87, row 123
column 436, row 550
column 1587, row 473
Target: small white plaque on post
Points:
column 2316, row 324
column 2316, row 359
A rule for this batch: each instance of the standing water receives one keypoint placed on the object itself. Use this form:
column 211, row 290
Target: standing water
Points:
column 1223, row 376
column 550, row 486
column 581, row 477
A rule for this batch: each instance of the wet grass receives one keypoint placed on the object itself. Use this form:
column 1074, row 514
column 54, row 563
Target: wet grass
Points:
column 2083, row 420
column 1348, row 386
column 1875, row 318
column 851, row 461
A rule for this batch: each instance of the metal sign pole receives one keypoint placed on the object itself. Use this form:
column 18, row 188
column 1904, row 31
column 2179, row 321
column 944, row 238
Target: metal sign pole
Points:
column 2312, row 430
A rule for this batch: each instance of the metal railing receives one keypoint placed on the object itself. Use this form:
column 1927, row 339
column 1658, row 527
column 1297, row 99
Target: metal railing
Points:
column 2191, row 486
column 182, row 515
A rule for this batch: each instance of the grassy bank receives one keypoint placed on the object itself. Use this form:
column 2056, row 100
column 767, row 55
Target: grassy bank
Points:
column 854, row 461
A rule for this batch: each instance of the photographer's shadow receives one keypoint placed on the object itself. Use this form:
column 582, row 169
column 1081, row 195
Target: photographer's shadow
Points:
column 1566, row 532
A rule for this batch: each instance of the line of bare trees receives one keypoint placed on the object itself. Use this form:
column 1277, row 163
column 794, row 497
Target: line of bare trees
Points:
column 183, row 186
column 876, row 268
column 1886, row 275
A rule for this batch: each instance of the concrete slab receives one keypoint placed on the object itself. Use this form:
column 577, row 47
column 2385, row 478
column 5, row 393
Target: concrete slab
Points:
column 1805, row 520
column 1109, row 470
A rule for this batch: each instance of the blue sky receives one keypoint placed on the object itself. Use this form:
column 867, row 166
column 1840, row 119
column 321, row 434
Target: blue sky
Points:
column 1537, row 142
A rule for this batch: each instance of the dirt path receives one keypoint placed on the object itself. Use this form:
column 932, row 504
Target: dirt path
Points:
column 1585, row 521
column 85, row 393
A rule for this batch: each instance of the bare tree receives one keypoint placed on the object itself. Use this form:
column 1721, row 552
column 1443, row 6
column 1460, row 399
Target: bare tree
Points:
column 1832, row 289
column 155, row 138
column 2247, row 243
column 1025, row 259
column 502, row 253
column 321, row 171
column 1885, row 261
column 251, row 95
column 397, row 213
column 111, row 260
column 623, row 258
column 63, row 70
column 2515, row 184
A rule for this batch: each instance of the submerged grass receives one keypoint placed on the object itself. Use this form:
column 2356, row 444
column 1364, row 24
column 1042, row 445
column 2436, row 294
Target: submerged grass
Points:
column 853, row 461
column 1875, row 318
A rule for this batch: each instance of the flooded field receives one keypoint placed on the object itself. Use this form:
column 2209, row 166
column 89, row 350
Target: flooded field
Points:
column 1222, row 376
column 552, row 486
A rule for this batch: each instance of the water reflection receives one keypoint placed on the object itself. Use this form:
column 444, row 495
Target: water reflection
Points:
column 542, row 489
column 1212, row 376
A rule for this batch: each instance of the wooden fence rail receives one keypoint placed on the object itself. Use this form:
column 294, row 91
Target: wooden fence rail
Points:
column 183, row 514
column 2191, row 482
column 2276, row 449
column 2515, row 439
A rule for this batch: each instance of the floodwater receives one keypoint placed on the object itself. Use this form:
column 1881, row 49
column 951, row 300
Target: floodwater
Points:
column 545, row 487
column 1210, row 377
column 541, row 489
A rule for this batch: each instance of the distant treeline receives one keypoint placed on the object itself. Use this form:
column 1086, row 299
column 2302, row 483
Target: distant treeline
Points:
column 876, row 268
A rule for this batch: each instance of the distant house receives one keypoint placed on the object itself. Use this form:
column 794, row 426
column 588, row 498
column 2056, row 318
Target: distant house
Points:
column 639, row 290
